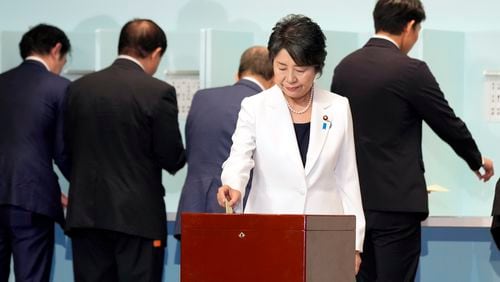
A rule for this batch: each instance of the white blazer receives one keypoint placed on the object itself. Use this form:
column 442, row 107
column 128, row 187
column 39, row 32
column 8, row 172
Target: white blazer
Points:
column 265, row 140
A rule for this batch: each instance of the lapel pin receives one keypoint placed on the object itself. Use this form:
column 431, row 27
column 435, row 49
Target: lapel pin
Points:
column 325, row 125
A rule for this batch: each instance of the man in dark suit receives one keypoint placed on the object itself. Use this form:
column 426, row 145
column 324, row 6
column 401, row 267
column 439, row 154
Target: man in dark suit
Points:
column 122, row 130
column 210, row 124
column 31, row 123
column 390, row 95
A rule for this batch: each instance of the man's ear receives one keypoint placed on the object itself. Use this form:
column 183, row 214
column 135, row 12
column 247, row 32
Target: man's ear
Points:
column 55, row 52
column 410, row 25
column 157, row 53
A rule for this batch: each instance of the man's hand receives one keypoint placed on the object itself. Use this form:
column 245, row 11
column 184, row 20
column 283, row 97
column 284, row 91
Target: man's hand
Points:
column 488, row 170
column 64, row 200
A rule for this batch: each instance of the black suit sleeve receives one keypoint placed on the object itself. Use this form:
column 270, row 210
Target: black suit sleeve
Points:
column 167, row 141
column 61, row 157
column 432, row 106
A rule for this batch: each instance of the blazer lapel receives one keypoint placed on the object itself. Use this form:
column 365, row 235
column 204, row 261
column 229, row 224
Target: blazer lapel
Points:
column 283, row 125
column 319, row 127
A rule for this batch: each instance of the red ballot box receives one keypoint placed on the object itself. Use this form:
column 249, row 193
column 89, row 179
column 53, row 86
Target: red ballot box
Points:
column 261, row 248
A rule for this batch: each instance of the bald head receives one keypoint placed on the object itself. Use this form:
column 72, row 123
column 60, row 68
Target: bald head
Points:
column 255, row 62
column 140, row 37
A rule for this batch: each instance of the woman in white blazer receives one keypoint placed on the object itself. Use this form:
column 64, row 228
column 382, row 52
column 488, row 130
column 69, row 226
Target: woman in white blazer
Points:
column 297, row 138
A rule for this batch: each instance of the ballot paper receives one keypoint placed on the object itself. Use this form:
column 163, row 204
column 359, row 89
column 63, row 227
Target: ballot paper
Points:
column 436, row 188
column 229, row 209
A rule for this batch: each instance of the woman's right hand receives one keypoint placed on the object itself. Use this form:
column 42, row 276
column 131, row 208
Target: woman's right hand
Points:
column 357, row 262
column 226, row 193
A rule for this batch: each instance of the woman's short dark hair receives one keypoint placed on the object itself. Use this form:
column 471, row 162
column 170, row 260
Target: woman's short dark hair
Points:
column 392, row 16
column 41, row 38
column 301, row 38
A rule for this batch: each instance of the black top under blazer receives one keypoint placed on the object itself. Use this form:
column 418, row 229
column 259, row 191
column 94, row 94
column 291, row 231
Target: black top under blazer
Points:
column 122, row 129
column 390, row 95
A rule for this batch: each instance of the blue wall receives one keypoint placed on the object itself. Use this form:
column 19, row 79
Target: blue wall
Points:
column 458, row 255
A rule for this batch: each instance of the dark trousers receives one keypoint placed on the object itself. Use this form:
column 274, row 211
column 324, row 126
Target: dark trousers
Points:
column 29, row 238
column 392, row 247
column 102, row 255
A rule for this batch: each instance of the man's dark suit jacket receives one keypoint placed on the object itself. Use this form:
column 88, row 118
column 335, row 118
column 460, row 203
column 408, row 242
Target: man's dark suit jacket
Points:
column 390, row 95
column 122, row 129
column 495, row 225
column 210, row 124
column 31, row 138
